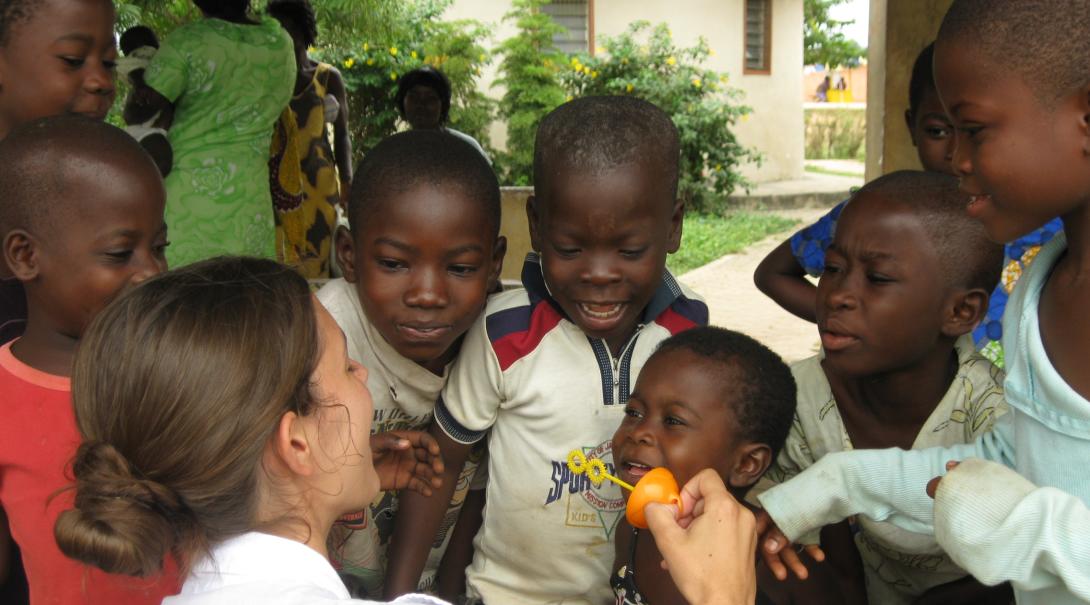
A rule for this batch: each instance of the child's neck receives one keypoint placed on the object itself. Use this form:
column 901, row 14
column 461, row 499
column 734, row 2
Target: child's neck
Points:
column 889, row 409
column 1077, row 231
column 45, row 349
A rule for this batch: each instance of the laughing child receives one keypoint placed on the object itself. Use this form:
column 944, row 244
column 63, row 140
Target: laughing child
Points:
column 707, row 398
column 423, row 252
column 906, row 279
column 547, row 369
column 82, row 220
column 1015, row 78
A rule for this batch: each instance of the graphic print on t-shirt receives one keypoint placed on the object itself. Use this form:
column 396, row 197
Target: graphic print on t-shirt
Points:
column 587, row 506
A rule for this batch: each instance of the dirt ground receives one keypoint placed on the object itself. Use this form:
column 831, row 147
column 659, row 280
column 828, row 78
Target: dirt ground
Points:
column 734, row 302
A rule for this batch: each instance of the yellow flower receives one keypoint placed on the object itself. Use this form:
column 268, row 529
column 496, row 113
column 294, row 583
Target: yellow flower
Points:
column 568, row 98
column 718, row 167
column 593, row 74
column 745, row 117
column 413, row 54
column 370, row 62
column 393, row 75
column 349, row 62
column 671, row 60
column 624, row 61
column 723, row 79
column 697, row 83
column 711, row 52
column 311, row 49
column 599, row 49
column 628, row 88
column 586, row 70
column 481, row 57
column 393, row 50
column 574, row 61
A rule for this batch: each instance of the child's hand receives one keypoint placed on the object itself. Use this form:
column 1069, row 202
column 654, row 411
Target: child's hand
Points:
column 933, row 485
column 778, row 552
column 407, row 459
column 709, row 551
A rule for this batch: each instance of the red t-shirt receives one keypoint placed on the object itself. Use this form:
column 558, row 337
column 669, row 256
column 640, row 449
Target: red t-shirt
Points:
column 38, row 439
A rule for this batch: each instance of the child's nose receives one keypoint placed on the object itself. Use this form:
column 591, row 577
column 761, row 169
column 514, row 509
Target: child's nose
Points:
column 149, row 267
column 100, row 79
column 960, row 161
column 428, row 289
column 600, row 270
column 838, row 294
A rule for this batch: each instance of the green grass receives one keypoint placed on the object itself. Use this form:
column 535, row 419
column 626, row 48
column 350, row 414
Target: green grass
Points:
column 820, row 170
column 708, row 237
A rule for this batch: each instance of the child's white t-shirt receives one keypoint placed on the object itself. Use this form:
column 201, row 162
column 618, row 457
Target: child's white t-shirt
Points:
column 404, row 395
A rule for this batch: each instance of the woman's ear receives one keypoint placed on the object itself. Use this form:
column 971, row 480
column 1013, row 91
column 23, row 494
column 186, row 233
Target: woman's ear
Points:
column 292, row 447
column 751, row 462
column 966, row 310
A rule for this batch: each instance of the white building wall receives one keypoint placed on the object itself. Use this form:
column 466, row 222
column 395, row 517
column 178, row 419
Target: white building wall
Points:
column 776, row 126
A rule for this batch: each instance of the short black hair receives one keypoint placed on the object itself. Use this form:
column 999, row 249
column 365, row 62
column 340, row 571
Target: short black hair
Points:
column 923, row 79
column 425, row 76
column 223, row 8
column 967, row 257
column 299, row 12
column 1046, row 42
column 136, row 37
column 36, row 167
column 415, row 157
column 754, row 379
column 13, row 12
column 599, row 133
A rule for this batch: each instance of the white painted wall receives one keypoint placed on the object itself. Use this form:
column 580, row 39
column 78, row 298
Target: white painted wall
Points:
column 776, row 126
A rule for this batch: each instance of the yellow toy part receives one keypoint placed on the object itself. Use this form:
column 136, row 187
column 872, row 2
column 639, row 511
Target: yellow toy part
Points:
column 658, row 485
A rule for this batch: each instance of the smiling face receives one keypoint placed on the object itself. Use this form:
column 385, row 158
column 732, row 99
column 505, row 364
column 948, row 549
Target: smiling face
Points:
column 113, row 238
column 61, row 60
column 678, row 417
column 881, row 297
column 422, row 266
column 1024, row 162
column 603, row 241
column 343, row 420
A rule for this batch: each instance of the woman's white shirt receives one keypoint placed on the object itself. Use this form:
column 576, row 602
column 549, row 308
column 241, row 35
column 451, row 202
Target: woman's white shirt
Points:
column 261, row 568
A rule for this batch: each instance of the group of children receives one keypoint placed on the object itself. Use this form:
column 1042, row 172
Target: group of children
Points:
column 220, row 429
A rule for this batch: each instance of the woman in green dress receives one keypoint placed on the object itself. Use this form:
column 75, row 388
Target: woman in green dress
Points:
column 226, row 77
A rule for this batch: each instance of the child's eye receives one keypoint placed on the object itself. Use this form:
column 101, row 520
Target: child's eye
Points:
column 831, row 268
column 73, row 62
column 878, row 278
column 566, row 252
column 110, row 65
column 674, row 421
column 119, row 256
column 391, row 264
column 462, row 270
column 937, row 132
column 634, row 253
column 632, row 412
column 161, row 249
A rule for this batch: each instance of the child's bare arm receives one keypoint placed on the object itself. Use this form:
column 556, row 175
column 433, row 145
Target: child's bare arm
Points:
column 418, row 519
column 782, row 278
column 451, row 577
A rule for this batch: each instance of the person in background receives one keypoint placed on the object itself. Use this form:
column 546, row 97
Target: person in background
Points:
column 139, row 43
column 308, row 176
column 227, row 77
column 423, row 100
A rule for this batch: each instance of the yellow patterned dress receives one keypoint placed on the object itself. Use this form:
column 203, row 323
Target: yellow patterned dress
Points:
column 304, row 183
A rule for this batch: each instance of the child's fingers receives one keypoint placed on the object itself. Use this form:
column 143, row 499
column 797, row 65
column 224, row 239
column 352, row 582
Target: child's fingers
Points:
column 774, row 564
column 933, row 486
column 794, row 563
column 815, row 552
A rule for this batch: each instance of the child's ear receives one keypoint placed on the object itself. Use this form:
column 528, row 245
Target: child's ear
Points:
column 965, row 310
column 1084, row 122
column 532, row 220
column 909, row 124
column 677, row 218
column 346, row 253
column 499, row 250
column 752, row 460
column 21, row 255
column 291, row 446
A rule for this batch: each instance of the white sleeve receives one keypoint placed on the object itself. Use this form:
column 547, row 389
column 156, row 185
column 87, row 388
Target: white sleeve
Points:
column 885, row 485
column 1000, row 527
column 472, row 396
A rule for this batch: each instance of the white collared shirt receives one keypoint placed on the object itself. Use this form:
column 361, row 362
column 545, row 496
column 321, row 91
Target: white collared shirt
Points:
column 261, row 568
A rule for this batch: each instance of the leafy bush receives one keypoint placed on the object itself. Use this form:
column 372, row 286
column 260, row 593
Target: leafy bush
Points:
column 835, row 133
column 529, row 74
column 644, row 62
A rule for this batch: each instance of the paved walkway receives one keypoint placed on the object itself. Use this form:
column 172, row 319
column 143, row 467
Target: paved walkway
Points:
column 734, row 302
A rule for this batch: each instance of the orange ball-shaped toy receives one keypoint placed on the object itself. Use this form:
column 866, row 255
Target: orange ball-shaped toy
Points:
column 658, row 485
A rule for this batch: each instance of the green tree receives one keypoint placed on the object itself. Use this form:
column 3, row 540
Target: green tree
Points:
column 823, row 42
column 644, row 62
column 532, row 89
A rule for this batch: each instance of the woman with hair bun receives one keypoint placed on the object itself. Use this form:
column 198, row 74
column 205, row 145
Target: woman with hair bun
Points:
column 224, row 424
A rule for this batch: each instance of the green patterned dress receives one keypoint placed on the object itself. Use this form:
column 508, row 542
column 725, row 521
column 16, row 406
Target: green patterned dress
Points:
column 228, row 82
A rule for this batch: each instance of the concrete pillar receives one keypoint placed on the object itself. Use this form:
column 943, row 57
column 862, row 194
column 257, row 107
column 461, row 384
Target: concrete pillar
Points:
column 899, row 29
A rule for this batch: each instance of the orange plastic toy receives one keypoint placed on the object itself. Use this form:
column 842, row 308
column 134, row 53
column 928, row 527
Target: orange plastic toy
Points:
column 658, row 485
